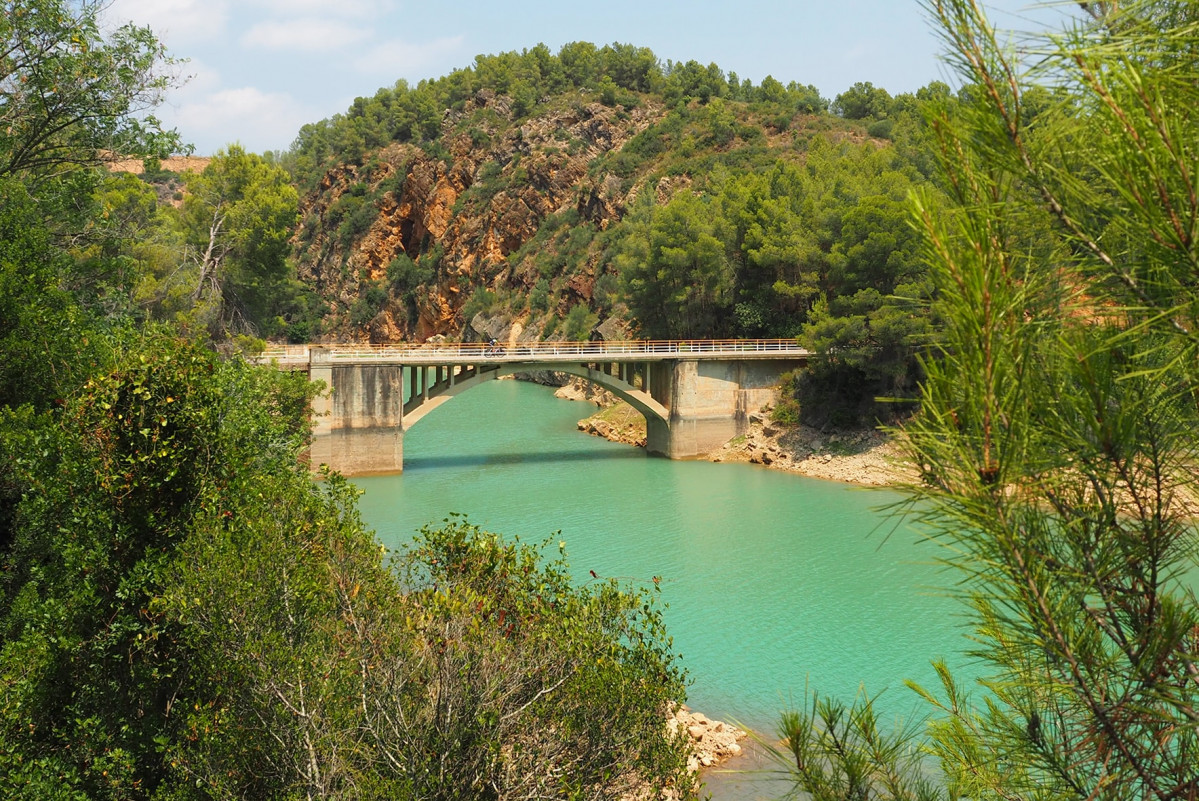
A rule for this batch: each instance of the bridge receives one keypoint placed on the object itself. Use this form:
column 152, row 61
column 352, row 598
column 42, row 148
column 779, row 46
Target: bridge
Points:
column 695, row 394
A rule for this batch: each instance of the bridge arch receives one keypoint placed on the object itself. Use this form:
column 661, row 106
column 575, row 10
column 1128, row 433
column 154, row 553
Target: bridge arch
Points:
column 701, row 392
column 640, row 400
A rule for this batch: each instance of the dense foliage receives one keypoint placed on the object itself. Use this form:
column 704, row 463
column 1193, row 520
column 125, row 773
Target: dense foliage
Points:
column 616, row 73
column 188, row 615
column 71, row 96
column 184, row 612
column 236, row 219
column 1057, row 439
column 212, row 257
column 823, row 252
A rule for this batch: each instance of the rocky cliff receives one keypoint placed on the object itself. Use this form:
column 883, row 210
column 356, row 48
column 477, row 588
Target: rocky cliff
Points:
column 529, row 188
column 459, row 212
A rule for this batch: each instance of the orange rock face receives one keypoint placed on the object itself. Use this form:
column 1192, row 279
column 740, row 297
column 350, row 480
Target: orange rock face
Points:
column 462, row 216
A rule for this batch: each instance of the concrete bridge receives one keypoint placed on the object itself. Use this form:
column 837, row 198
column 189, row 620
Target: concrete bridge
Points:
column 695, row 394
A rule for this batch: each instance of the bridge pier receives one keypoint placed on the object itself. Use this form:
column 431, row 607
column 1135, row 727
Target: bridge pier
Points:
column 709, row 402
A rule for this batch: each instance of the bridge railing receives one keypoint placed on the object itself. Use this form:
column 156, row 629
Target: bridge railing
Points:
column 285, row 352
column 535, row 350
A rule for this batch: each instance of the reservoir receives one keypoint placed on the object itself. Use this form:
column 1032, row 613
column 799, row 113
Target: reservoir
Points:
column 772, row 581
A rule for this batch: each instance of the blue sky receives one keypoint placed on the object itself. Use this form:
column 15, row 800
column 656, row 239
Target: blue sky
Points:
column 259, row 69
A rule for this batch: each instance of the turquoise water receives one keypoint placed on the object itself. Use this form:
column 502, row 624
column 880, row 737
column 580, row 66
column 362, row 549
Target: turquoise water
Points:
column 772, row 580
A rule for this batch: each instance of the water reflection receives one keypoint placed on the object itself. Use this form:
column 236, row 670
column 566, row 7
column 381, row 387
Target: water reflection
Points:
column 527, row 457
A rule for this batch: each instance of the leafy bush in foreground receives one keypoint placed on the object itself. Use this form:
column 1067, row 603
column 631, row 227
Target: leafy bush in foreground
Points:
column 188, row 615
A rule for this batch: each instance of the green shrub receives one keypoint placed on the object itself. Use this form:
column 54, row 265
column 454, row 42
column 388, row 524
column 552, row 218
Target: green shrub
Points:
column 786, row 409
column 299, row 331
column 479, row 137
column 881, row 129
column 362, row 312
column 786, row 412
column 606, row 292
column 539, row 296
column 502, row 615
column 376, row 296
column 579, row 322
column 404, row 275
column 481, row 301
column 393, row 183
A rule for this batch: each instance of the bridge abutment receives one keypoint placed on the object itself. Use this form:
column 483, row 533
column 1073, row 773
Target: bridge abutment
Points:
column 359, row 420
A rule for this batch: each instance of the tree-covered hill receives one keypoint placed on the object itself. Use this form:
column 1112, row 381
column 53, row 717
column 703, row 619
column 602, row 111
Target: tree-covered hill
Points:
column 547, row 193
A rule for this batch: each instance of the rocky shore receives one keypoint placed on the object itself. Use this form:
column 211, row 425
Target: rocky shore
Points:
column 866, row 456
column 710, row 743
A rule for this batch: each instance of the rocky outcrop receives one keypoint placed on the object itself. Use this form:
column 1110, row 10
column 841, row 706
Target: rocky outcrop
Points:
column 462, row 208
column 863, row 456
column 578, row 389
column 613, row 329
column 178, row 164
column 624, row 433
column 709, row 743
column 615, row 420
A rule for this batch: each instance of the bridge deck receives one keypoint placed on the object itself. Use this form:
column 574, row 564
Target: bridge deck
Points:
column 466, row 353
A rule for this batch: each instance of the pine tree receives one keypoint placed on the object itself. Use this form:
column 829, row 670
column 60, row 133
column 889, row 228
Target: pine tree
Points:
column 1057, row 438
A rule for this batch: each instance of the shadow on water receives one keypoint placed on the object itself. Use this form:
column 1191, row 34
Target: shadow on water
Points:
column 542, row 457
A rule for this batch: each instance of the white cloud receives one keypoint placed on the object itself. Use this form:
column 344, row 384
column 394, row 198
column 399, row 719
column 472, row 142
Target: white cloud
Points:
column 200, row 80
column 267, row 121
column 310, row 34
column 175, row 22
column 399, row 59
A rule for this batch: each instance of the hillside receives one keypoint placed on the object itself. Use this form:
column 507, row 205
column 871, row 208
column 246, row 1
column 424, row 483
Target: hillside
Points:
column 460, row 210
column 539, row 195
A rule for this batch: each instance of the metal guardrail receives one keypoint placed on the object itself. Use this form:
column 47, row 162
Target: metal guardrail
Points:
column 439, row 352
